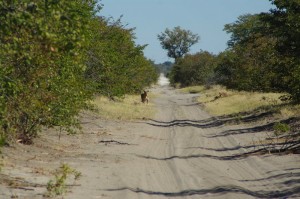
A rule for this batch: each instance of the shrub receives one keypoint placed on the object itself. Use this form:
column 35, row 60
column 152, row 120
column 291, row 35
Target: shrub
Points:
column 42, row 62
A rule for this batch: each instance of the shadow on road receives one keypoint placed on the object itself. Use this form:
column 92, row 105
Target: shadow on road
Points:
column 253, row 147
column 216, row 121
column 219, row 190
column 255, row 129
column 209, row 123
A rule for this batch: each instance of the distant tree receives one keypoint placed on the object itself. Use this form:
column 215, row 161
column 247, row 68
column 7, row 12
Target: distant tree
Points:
column 177, row 41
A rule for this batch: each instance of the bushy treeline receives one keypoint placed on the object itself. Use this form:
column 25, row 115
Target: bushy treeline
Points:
column 116, row 65
column 263, row 54
column 193, row 69
column 55, row 55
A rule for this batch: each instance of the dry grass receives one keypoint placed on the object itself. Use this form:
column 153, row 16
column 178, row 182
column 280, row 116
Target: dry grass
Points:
column 220, row 101
column 290, row 111
column 129, row 108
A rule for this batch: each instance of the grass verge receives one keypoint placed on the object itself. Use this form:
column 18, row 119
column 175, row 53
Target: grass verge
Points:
column 265, row 112
column 128, row 108
column 220, row 101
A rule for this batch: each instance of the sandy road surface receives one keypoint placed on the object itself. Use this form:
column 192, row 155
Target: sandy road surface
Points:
column 181, row 153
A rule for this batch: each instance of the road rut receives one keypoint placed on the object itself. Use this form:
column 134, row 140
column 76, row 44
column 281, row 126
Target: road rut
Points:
column 182, row 152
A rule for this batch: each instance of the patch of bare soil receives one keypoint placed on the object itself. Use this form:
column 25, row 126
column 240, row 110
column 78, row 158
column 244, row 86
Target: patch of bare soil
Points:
column 26, row 169
column 182, row 152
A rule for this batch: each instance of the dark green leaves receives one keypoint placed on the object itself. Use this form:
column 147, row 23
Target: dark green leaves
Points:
column 194, row 69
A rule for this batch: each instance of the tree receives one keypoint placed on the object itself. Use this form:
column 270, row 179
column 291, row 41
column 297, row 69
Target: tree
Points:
column 284, row 23
column 42, row 63
column 177, row 41
column 116, row 65
column 196, row 69
column 248, row 62
column 53, row 53
column 264, row 51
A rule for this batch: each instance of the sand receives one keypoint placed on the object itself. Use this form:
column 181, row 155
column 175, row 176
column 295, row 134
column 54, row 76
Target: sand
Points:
column 182, row 152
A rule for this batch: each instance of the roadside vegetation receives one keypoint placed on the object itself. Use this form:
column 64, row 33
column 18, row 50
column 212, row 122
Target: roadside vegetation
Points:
column 269, row 113
column 218, row 101
column 258, row 74
column 55, row 57
column 128, row 108
column 58, row 186
column 262, row 54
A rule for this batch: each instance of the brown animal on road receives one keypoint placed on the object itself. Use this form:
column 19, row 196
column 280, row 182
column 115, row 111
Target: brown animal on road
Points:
column 144, row 97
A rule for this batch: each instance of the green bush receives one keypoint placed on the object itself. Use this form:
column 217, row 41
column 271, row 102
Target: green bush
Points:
column 58, row 185
column 116, row 65
column 42, row 64
column 280, row 128
column 54, row 56
column 196, row 69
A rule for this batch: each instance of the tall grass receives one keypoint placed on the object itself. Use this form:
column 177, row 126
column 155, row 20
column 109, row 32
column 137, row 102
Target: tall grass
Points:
column 128, row 108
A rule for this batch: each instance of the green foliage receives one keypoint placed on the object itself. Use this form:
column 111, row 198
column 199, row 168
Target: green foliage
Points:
column 248, row 62
column 54, row 56
column 58, row 185
column 280, row 128
column 285, row 26
column 177, row 41
column 194, row 69
column 1, row 162
column 116, row 64
column 42, row 51
column 3, row 141
column 263, row 53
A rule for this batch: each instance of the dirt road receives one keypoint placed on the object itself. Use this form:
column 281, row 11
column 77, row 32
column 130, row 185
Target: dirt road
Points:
column 182, row 152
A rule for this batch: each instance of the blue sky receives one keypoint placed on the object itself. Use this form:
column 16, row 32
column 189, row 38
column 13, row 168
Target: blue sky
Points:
column 203, row 17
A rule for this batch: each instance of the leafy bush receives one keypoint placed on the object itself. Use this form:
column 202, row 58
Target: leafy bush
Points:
column 263, row 51
column 42, row 51
column 54, row 56
column 248, row 62
column 116, row 65
column 196, row 69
